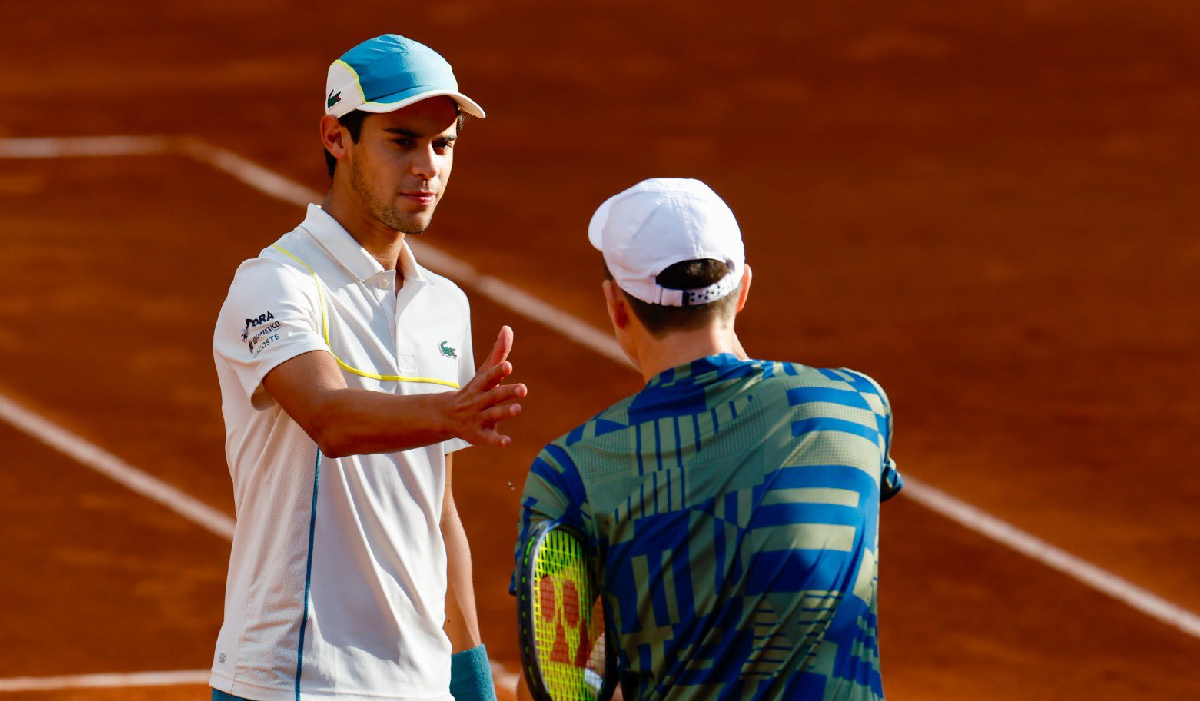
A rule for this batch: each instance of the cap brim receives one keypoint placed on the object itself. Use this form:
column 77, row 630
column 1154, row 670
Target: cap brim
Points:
column 395, row 101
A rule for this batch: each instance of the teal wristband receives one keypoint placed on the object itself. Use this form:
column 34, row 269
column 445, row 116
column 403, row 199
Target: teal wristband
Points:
column 471, row 676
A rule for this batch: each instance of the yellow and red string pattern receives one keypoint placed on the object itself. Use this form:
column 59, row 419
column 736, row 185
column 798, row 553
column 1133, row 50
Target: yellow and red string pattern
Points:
column 568, row 620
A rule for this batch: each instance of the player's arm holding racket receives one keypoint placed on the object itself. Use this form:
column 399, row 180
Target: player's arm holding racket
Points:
column 552, row 492
column 565, row 654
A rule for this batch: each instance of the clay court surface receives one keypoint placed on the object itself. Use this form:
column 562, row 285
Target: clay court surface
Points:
column 990, row 207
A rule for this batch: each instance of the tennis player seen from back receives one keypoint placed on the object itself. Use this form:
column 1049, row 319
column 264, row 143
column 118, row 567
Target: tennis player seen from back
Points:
column 732, row 503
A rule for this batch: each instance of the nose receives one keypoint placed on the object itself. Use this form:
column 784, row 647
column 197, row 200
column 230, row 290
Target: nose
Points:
column 425, row 163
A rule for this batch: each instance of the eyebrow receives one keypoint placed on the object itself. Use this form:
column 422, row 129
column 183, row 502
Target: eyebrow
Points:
column 401, row 131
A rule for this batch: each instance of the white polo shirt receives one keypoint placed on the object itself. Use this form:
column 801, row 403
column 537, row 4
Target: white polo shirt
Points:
column 337, row 577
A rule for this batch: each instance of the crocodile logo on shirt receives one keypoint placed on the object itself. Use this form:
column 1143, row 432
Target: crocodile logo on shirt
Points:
column 447, row 350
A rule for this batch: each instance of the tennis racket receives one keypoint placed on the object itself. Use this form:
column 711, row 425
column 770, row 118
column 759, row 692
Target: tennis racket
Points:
column 560, row 615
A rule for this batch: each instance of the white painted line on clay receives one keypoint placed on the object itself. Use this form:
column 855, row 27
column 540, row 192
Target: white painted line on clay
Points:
column 99, row 681
column 1053, row 557
column 107, row 464
column 84, row 146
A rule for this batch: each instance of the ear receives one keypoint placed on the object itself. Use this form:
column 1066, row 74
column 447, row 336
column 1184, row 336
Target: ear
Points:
column 747, row 276
column 614, row 301
column 334, row 136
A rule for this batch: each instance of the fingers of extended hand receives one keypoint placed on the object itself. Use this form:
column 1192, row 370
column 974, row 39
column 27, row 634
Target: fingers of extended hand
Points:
column 502, row 348
column 491, row 437
column 485, row 402
column 503, row 394
column 496, row 414
column 492, row 376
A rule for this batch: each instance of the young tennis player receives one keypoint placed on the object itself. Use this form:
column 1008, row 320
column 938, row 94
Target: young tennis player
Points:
column 730, row 507
column 347, row 382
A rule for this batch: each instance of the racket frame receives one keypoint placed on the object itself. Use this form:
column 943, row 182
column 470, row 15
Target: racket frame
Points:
column 525, row 614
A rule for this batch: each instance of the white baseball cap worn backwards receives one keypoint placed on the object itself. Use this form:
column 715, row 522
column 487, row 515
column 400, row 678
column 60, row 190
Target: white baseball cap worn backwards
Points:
column 389, row 72
column 660, row 222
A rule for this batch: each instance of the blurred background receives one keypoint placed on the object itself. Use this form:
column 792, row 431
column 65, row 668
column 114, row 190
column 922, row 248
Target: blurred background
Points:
column 990, row 207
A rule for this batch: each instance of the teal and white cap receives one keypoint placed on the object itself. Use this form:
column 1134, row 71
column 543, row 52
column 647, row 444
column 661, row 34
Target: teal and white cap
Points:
column 389, row 72
column 659, row 222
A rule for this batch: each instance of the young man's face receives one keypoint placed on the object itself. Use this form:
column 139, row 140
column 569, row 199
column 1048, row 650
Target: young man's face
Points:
column 402, row 161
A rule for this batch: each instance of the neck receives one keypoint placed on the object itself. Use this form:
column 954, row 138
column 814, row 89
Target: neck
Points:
column 381, row 241
column 654, row 355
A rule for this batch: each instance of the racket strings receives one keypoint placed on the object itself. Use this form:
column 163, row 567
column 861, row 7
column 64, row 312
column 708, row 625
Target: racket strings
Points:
column 568, row 620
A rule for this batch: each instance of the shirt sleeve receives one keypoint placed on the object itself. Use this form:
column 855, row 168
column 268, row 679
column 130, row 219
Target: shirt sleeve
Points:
column 553, row 492
column 890, row 481
column 271, row 315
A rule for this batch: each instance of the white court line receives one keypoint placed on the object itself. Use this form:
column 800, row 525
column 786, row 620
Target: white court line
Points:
column 92, row 681
column 502, row 676
column 513, row 298
column 106, row 463
column 249, row 172
column 1053, row 557
column 81, row 146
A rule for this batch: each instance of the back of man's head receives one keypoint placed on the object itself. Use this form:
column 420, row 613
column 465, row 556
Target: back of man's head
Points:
column 661, row 320
column 674, row 249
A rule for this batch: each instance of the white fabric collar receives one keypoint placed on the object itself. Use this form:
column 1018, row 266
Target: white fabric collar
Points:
column 350, row 253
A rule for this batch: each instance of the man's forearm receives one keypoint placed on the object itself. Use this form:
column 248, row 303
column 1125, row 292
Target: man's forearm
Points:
column 348, row 421
column 462, row 622
column 355, row 421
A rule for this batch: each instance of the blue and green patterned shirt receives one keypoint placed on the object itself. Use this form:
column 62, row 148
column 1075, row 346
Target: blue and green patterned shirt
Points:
column 734, row 508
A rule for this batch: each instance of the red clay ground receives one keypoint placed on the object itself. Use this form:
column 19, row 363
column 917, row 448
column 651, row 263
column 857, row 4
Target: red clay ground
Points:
column 989, row 208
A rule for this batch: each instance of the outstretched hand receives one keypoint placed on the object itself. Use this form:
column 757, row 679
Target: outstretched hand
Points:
column 485, row 401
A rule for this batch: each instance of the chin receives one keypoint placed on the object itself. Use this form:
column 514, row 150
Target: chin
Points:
column 409, row 225
column 418, row 227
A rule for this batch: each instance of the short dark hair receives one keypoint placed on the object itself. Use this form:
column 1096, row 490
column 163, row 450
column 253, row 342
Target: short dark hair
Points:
column 686, row 275
column 353, row 122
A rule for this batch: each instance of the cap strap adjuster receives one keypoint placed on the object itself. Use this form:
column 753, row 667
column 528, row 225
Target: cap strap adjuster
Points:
column 668, row 297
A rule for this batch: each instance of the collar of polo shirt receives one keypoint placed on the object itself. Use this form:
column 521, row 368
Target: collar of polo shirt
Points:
column 351, row 254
